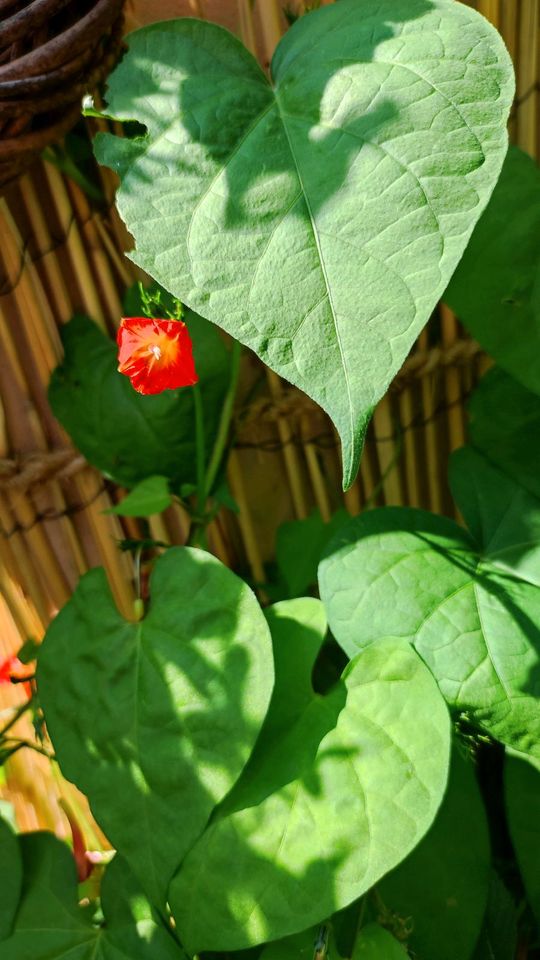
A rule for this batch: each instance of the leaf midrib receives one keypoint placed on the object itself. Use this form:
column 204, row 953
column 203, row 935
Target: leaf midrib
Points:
column 282, row 116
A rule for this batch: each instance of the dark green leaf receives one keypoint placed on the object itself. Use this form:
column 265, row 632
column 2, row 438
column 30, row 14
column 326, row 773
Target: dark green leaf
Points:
column 302, row 946
column 496, row 287
column 148, row 497
column 318, row 219
column 10, row 878
column 128, row 436
column 498, row 939
column 155, row 720
column 441, row 889
column 505, row 427
column 330, row 801
column 375, row 943
column 522, row 792
column 299, row 547
column 50, row 925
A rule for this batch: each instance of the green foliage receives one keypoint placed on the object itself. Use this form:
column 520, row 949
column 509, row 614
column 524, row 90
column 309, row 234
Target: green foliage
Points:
column 301, row 946
column 338, row 789
column 148, row 497
column 375, row 943
column 10, row 878
column 522, row 793
column 372, row 943
column 498, row 939
column 317, row 218
column 50, row 925
column 299, row 547
column 155, row 720
column 130, row 437
column 441, row 889
column 470, row 606
column 505, row 427
column 496, row 287
column 253, row 802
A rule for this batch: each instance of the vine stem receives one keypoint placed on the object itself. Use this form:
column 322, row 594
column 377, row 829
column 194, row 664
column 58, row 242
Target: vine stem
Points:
column 200, row 449
column 206, row 476
column 225, row 420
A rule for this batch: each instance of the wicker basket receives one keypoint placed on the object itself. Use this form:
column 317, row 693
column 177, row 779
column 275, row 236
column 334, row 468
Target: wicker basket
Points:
column 59, row 255
column 51, row 53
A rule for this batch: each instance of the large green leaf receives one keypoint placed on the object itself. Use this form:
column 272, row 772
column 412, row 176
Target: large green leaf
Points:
column 128, row 436
column 472, row 609
column 441, row 889
column 50, row 925
column 332, row 801
column 505, row 427
column 10, row 878
column 522, row 792
column 155, row 720
column 319, row 217
column 496, row 287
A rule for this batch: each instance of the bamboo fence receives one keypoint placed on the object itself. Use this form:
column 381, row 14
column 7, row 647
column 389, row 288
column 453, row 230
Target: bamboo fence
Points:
column 60, row 254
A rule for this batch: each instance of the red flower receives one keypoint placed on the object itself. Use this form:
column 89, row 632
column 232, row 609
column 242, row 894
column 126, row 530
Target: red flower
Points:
column 13, row 669
column 156, row 355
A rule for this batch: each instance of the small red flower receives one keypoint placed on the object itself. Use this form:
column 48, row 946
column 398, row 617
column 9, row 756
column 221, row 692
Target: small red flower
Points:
column 156, row 355
column 13, row 669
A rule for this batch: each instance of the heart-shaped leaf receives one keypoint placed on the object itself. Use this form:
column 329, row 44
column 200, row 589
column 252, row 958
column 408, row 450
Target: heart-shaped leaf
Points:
column 155, row 720
column 328, row 804
column 125, row 435
column 440, row 891
column 10, row 878
column 471, row 607
column 50, row 925
column 496, row 287
column 317, row 218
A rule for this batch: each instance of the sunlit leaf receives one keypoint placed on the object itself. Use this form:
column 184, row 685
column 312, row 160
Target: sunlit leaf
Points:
column 317, row 217
column 331, row 801
column 470, row 606
column 155, row 720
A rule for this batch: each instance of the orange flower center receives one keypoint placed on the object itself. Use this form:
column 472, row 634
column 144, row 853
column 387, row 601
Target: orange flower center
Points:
column 159, row 348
